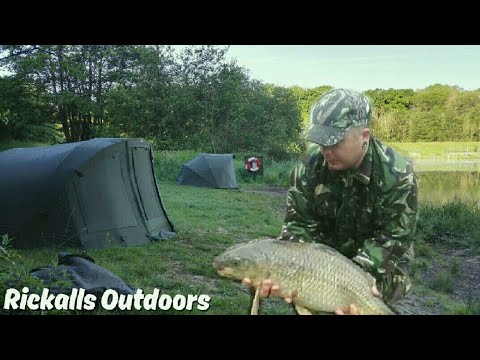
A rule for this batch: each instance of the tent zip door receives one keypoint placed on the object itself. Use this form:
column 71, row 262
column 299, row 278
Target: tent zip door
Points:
column 146, row 190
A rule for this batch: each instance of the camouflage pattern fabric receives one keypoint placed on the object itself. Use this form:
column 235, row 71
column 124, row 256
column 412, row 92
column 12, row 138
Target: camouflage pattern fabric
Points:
column 368, row 214
column 336, row 112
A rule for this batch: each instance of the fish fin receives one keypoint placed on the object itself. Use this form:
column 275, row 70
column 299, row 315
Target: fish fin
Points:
column 302, row 311
column 256, row 302
column 314, row 245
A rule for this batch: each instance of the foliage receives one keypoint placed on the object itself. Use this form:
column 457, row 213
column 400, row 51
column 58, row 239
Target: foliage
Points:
column 195, row 98
column 14, row 274
column 472, row 307
column 391, row 99
column 24, row 111
column 453, row 224
column 305, row 98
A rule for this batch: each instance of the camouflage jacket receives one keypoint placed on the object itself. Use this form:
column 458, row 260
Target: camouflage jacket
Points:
column 368, row 214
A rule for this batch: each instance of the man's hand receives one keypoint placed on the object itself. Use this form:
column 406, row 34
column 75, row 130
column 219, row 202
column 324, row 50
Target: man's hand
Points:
column 352, row 309
column 267, row 288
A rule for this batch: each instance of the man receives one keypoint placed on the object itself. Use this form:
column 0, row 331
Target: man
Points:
column 355, row 194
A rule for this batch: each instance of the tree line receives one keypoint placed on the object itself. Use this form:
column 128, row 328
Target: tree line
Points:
column 194, row 99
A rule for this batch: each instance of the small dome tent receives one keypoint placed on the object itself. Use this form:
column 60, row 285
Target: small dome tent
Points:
column 90, row 194
column 209, row 170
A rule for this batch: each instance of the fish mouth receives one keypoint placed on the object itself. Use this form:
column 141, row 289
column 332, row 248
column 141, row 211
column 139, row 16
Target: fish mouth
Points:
column 217, row 266
column 221, row 271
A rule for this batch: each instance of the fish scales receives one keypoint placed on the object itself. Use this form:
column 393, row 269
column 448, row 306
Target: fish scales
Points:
column 321, row 278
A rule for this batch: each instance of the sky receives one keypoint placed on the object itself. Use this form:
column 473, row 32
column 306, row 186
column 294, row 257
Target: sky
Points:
column 362, row 67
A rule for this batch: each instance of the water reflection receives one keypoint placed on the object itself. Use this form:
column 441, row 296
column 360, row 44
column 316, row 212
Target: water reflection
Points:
column 441, row 181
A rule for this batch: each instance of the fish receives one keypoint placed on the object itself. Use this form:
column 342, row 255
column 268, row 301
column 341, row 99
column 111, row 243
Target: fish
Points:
column 317, row 277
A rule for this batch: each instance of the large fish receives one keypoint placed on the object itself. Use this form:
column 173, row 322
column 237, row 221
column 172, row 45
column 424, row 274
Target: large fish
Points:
column 320, row 278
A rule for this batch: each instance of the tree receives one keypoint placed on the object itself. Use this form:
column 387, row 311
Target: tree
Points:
column 24, row 110
column 76, row 78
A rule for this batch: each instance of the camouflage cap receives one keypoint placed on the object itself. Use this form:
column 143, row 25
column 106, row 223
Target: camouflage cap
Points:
column 335, row 113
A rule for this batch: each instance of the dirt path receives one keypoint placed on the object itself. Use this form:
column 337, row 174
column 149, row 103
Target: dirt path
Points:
column 270, row 190
column 454, row 277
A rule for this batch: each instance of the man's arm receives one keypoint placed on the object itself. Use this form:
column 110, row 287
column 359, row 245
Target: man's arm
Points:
column 299, row 223
column 389, row 254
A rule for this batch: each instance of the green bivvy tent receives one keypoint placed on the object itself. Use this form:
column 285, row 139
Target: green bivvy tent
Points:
column 209, row 170
column 90, row 194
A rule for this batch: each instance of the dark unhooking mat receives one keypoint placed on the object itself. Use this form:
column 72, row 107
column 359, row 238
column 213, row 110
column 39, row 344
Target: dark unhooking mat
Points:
column 79, row 271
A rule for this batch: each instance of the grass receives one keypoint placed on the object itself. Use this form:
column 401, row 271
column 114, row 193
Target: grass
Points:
column 443, row 282
column 439, row 150
column 454, row 224
column 207, row 221
column 471, row 307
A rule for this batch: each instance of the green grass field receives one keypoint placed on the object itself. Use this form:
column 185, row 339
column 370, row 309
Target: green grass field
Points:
column 439, row 150
column 207, row 220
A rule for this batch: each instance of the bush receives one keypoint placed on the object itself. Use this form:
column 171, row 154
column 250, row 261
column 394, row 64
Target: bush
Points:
column 453, row 224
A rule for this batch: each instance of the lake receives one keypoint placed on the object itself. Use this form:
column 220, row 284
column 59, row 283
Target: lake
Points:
column 442, row 180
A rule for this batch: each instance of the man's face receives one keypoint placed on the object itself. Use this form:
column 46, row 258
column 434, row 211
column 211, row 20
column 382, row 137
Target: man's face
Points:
column 348, row 152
